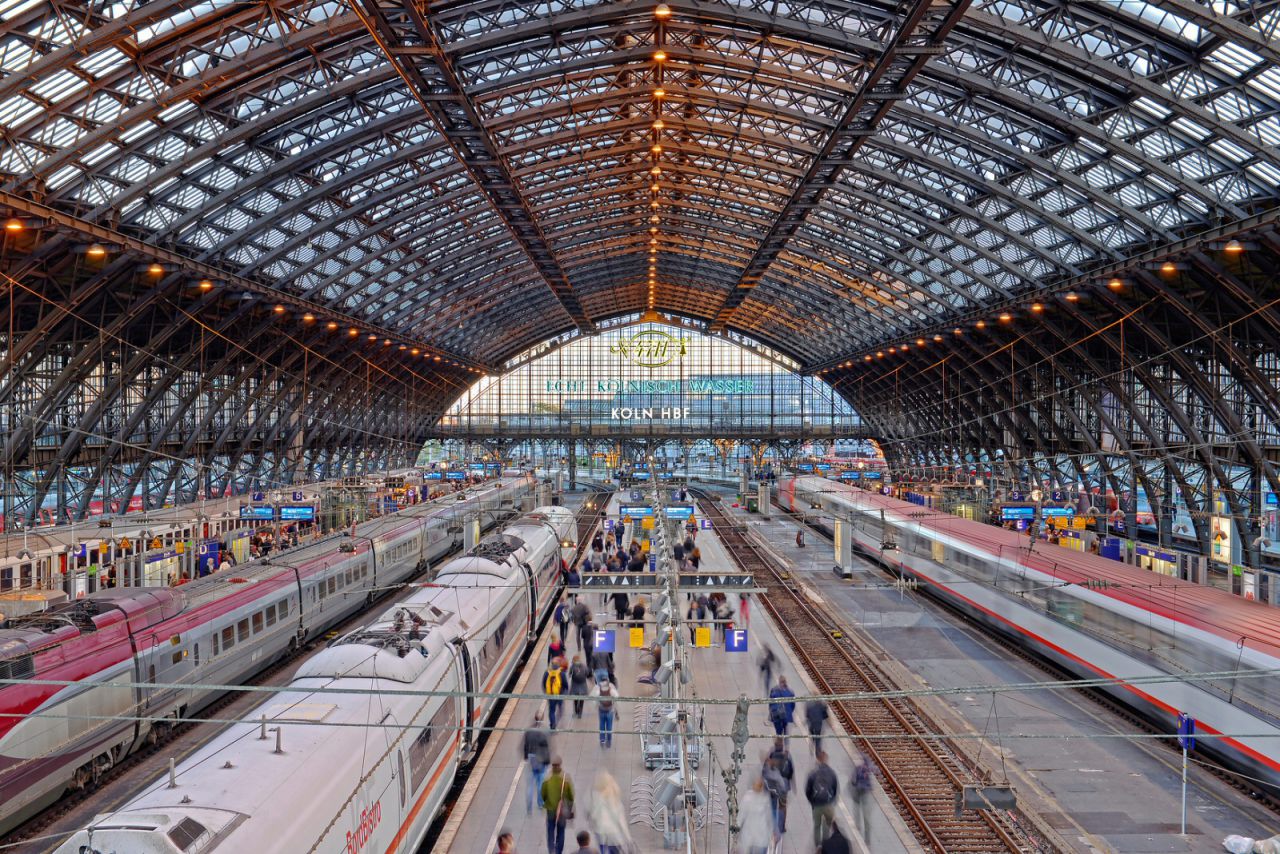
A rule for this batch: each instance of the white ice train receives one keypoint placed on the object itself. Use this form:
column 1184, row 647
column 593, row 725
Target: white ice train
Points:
column 355, row 756
column 220, row 629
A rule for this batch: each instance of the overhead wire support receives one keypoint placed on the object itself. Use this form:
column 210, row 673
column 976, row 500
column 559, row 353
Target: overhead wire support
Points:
column 920, row 36
column 413, row 48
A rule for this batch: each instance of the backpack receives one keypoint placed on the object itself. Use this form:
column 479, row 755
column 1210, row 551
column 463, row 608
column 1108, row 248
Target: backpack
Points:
column 561, row 615
column 606, row 691
column 554, row 683
column 822, row 788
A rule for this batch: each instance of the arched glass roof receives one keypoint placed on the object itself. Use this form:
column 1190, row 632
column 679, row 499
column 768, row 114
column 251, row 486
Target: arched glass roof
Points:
column 833, row 174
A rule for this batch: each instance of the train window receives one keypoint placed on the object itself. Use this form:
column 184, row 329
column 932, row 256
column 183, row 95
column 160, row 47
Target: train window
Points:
column 346, row 577
column 271, row 615
column 228, row 638
column 195, row 654
column 177, row 657
column 215, row 644
column 242, row 629
column 333, row 584
column 400, row 774
column 283, row 607
column 257, row 623
column 18, row 668
column 320, row 588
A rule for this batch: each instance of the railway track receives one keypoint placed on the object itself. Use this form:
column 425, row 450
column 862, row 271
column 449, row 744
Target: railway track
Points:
column 921, row 774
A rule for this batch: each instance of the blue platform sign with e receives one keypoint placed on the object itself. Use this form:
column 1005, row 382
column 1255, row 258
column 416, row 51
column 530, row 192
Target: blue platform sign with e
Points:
column 704, row 524
column 735, row 640
column 605, row 640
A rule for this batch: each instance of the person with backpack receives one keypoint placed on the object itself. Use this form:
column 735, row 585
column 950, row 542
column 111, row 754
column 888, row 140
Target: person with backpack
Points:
column 755, row 814
column 536, row 748
column 587, row 638
column 815, row 714
column 820, row 789
column 695, row 558
column 621, row 605
column 561, row 618
column 862, row 784
column 781, row 712
column 553, row 685
column 607, row 706
column 779, row 780
column 637, row 613
column 557, row 802
column 580, row 614
column 579, row 677
column 602, row 666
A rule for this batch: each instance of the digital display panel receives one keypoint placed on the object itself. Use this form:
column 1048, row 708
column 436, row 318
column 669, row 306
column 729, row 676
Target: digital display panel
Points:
column 850, row 475
column 433, row 475
column 635, row 510
column 297, row 513
column 679, row 511
column 455, row 475
column 873, row 475
column 1012, row 514
column 267, row 512
column 1058, row 511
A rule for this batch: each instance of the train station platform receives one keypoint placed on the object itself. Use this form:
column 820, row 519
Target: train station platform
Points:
column 495, row 797
column 1073, row 762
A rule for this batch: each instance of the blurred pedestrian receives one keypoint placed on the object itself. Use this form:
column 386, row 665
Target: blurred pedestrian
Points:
column 836, row 843
column 815, row 714
column 621, row 605
column 767, row 662
column 861, row 786
column 782, row 712
column 557, row 803
column 555, row 648
column 820, row 790
column 536, row 748
column 755, row 816
column 553, row 685
column 561, row 618
column 607, row 816
column 584, row 843
column 579, row 683
column 779, row 781
column 607, row 708
column 506, row 843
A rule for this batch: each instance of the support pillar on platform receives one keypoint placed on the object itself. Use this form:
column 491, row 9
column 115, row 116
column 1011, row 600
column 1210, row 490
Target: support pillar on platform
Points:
column 762, row 499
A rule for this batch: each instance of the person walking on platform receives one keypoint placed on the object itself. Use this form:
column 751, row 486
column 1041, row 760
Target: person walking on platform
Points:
column 836, row 843
column 587, row 638
column 779, row 780
column 820, row 789
column 557, row 802
column 506, row 843
column 621, row 603
column 553, row 685
column 755, row 813
column 536, row 748
column 608, row 817
column 861, row 784
column 767, row 662
column 602, row 666
column 815, row 714
column 800, row 538
column 637, row 613
column 561, row 618
column 580, row 615
column 555, row 648
column 607, row 707
column 782, row 712
column 579, row 683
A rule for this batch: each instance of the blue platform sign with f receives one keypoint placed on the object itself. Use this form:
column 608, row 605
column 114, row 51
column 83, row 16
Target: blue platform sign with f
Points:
column 735, row 640
column 605, row 640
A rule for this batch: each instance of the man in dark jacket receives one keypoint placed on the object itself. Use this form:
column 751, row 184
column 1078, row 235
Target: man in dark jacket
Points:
column 815, row 713
column 536, row 748
column 779, row 781
column 820, row 789
column 782, row 712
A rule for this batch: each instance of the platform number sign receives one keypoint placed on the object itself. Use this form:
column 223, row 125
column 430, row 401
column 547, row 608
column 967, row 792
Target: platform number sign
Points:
column 1186, row 732
column 735, row 640
column 605, row 640
column 258, row 496
column 297, row 495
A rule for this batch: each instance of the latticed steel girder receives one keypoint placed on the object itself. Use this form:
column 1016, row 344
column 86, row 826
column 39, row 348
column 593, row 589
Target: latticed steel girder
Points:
column 913, row 39
column 413, row 47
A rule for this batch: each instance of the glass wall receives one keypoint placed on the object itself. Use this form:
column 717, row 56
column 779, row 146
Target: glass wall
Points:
column 652, row 379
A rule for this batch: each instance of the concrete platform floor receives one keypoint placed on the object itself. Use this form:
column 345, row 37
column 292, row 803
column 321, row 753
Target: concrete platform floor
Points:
column 1112, row 795
column 494, row 797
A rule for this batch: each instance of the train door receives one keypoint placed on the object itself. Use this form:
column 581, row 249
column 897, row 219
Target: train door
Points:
column 531, row 586
column 467, row 727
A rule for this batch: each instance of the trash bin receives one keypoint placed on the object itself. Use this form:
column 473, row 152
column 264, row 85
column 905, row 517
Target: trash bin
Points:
column 753, row 505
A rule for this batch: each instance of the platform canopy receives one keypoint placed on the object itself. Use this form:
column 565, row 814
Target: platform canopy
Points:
column 266, row 237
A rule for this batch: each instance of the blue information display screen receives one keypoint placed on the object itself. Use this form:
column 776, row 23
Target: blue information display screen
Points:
column 257, row 512
column 1067, row 512
column 824, row 466
column 635, row 510
column 640, row 475
column 455, row 475
column 476, row 466
column 297, row 513
column 679, row 511
column 1010, row 514
column 851, row 475
column 805, row 467
column 433, row 475
column 873, row 475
